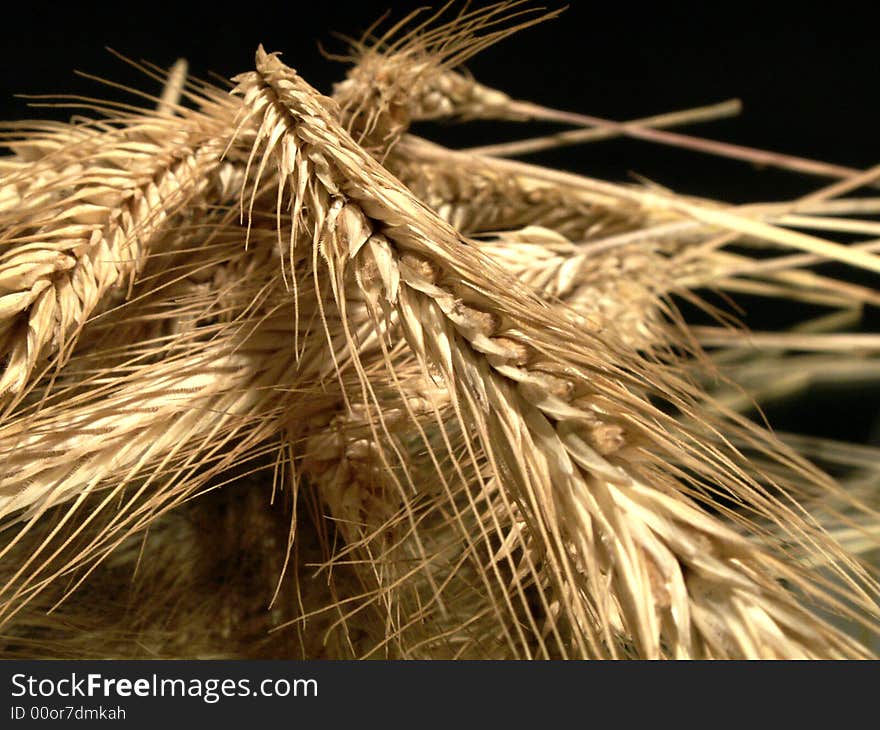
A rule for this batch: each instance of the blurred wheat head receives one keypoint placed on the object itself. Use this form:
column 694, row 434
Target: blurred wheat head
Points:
column 281, row 379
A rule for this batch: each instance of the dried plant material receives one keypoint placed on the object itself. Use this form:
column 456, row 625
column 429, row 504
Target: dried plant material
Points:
column 444, row 403
column 86, row 212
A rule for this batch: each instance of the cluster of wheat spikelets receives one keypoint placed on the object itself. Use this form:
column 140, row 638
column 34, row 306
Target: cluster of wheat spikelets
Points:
column 281, row 379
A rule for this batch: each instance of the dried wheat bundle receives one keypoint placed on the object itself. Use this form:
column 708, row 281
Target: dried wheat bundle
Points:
column 282, row 379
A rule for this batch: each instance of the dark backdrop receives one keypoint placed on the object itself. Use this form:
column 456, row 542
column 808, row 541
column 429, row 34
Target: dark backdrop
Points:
column 807, row 77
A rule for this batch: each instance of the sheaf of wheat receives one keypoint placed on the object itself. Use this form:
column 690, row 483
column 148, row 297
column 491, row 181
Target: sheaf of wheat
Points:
column 280, row 378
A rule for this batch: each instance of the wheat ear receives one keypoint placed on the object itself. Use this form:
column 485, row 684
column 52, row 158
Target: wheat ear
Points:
column 507, row 398
column 65, row 259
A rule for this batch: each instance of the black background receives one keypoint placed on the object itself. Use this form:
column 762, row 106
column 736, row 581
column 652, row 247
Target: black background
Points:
column 807, row 77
